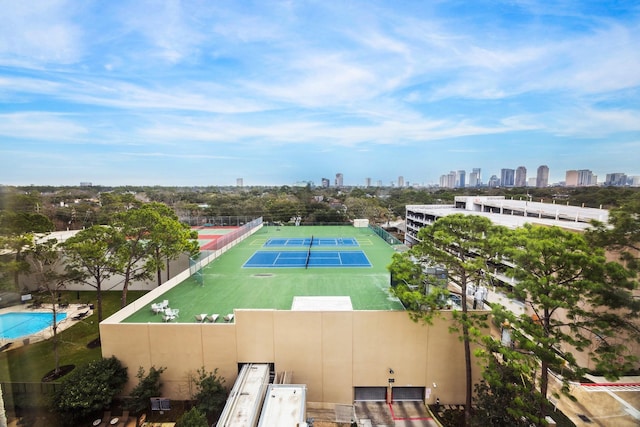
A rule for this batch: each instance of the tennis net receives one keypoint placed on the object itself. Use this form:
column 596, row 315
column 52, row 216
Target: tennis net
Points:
column 306, row 263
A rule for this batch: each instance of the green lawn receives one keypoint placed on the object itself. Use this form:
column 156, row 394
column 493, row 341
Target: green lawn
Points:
column 31, row 362
column 227, row 285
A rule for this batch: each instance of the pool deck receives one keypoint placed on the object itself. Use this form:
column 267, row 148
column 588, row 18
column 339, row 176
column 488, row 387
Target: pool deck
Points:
column 71, row 311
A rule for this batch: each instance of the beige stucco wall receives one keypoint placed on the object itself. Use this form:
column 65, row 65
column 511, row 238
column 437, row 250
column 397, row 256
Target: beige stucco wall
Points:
column 31, row 281
column 331, row 352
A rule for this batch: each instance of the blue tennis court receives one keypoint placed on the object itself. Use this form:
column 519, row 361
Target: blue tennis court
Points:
column 299, row 259
column 317, row 241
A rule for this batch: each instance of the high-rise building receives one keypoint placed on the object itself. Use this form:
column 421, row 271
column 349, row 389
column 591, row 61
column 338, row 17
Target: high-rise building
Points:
column 379, row 184
column 326, row 182
column 571, row 178
column 367, row 182
column 400, row 181
column 542, row 177
column 507, row 177
column 460, row 179
column 449, row 180
column 586, row 178
column 493, row 181
column 616, row 179
column 239, row 182
column 531, row 182
column 521, row 177
column 475, row 178
column 339, row 180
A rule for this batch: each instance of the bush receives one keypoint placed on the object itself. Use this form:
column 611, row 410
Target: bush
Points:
column 148, row 386
column 89, row 389
column 211, row 394
column 192, row 418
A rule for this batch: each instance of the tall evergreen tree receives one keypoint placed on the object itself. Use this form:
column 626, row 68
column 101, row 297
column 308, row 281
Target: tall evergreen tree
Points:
column 91, row 258
column 462, row 245
column 562, row 279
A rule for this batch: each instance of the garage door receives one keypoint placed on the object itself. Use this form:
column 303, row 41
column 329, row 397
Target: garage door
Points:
column 407, row 393
column 370, row 394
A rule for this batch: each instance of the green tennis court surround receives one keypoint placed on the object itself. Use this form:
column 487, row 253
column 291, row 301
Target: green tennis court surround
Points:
column 225, row 285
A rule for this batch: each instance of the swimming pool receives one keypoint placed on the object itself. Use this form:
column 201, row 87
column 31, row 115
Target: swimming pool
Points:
column 16, row 325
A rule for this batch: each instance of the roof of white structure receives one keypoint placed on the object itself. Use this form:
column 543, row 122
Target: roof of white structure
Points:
column 60, row 236
column 246, row 397
column 569, row 217
column 284, row 405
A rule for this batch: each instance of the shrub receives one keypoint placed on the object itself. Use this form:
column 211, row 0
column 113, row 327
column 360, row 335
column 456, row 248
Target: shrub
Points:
column 89, row 389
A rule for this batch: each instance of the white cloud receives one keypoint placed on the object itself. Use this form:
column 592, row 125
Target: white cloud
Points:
column 589, row 122
column 33, row 34
column 40, row 126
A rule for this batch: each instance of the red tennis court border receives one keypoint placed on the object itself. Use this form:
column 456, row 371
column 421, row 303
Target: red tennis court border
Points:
column 212, row 244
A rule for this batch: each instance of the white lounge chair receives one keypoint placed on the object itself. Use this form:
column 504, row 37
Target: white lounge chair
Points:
column 201, row 317
column 213, row 318
column 175, row 312
column 228, row 318
column 167, row 317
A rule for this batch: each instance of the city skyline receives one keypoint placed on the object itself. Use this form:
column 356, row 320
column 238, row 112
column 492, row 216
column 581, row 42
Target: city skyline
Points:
column 522, row 177
column 201, row 93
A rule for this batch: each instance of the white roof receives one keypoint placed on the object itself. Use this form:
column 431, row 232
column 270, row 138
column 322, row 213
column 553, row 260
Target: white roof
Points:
column 322, row 303
column 284, row 406
column 569, row 217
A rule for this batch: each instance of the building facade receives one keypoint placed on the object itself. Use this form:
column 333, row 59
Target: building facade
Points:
column 542, row 177
column 521, row 177
column 507, row 177
column 460, row 179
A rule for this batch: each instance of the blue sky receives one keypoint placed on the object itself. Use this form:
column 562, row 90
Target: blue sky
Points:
column 204, row 92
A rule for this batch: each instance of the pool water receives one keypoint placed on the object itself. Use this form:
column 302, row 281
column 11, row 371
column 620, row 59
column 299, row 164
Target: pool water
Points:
column 17, row 325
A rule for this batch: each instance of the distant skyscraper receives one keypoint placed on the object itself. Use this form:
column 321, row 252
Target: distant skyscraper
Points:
column 379, row 183
column 616, row 179
column 367, row 182
column 339, row 180
column 531, row 182
column 239, row 182
column 521, row 177
column 478, row 171
column 326, row 183
column 586, row 178
column 460, row 179
column 542, row 177
column 400, row 181
column 493, row 181
column 475, row 179
column 449, row 180
column 571, row 178
column 507, row 177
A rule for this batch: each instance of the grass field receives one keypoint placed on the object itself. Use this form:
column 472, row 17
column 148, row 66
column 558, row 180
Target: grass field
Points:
column 226, row 285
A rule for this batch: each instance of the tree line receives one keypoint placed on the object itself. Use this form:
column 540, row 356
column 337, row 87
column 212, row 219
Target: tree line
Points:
column 80, row 207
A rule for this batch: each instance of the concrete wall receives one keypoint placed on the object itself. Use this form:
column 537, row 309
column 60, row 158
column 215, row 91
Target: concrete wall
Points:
column 30, row 281
column 330, row 352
